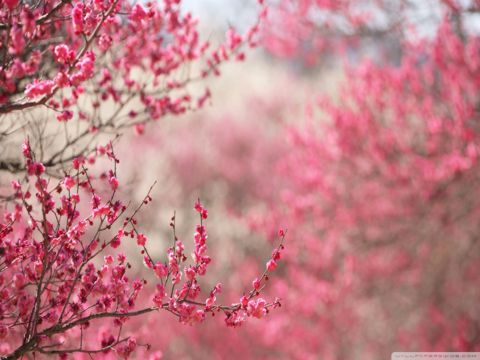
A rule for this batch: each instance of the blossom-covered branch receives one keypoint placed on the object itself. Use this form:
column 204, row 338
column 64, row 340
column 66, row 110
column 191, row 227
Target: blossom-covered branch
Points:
column 55, row 285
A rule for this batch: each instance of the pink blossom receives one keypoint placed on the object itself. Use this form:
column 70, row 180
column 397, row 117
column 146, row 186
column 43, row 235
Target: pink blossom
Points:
column 141, row 239
column 26, row 150
column 65, row 115
column 35, row 168
column 218, row 288
column 271, row 265
column 201, row 210
column 69, row 182
column 104, row 42
column 210, row 301
column 77, row 162
column 62, row 80
column 101, row 211
column 18, row 41
column 63, row 54
column 138, row 13
column 233, row 39
column 139, row 129
column 190, row 273
column 161, row 270
column 256, row 308
column 234, row 320
column 77, row 17
column 39, row 88
column 113, row 182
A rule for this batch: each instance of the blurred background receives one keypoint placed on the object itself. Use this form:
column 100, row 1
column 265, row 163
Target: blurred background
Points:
column 355, row 126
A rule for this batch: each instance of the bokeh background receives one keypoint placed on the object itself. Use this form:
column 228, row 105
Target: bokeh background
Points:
column 359, row 137
column 354, row 125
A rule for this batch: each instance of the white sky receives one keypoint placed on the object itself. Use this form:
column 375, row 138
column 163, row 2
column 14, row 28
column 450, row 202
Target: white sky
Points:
column 222, row 13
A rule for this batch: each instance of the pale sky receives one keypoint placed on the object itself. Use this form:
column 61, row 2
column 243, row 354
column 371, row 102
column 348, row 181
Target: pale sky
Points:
column 222, row 13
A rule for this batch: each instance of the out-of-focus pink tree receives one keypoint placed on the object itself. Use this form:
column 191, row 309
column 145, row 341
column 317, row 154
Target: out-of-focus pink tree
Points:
column 378, row 189
column 320, row 30
column 381, row 201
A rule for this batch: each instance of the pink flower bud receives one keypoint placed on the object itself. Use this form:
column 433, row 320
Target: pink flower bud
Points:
column 141, row 239
column 271, row 265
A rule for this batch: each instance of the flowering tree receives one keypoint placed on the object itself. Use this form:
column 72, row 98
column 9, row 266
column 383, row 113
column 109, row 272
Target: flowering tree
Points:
column 54, row 287
column 318, row 30
column 380, row 195
column 97, row 67
column 109, row 64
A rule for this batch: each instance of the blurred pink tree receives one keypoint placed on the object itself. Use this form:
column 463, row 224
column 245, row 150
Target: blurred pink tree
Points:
column 379, row 190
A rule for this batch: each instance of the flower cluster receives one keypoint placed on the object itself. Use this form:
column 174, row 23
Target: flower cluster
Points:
column 54, row 48
column 54, row 285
